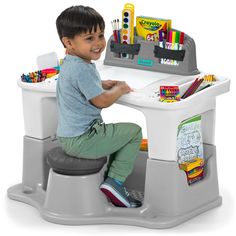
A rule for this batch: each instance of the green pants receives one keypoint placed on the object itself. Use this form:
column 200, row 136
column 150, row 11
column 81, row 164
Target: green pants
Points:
column 120, row 140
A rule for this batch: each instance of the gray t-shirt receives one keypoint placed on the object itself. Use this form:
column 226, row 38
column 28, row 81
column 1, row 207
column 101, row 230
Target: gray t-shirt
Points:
column 78, row 82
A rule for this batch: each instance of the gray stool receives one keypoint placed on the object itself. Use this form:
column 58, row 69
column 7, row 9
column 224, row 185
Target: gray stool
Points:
column 73, row 187
column 64, row 164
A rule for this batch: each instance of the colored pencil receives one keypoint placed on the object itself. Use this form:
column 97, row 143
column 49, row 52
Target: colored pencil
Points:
column 194, row 88
column 187, row 91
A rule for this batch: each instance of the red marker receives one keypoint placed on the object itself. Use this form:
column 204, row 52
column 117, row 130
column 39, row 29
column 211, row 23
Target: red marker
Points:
column 181, row 40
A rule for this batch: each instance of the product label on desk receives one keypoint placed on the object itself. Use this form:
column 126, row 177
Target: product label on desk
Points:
column 145, row 62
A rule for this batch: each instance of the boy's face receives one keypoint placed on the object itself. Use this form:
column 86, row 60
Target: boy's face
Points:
column 88, row 46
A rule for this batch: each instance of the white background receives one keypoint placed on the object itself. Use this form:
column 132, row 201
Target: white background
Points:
column 27, row 29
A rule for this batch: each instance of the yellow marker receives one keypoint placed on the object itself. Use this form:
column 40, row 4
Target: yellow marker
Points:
column 173, row 45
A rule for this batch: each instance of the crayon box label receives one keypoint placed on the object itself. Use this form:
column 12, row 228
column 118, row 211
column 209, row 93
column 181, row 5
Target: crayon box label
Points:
column 148, row 28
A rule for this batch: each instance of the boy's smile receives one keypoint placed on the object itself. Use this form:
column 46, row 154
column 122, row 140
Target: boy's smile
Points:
column 87, row 46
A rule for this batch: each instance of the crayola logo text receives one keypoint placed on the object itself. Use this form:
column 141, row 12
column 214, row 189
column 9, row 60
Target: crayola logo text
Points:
column 148, row 25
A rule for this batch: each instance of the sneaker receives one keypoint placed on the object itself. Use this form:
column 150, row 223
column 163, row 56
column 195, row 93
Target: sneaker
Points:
column 118, row 194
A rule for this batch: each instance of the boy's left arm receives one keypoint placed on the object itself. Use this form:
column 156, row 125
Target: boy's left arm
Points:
column 108, row 84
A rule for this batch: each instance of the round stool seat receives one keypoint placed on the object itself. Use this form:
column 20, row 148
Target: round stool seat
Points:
column 64, row 164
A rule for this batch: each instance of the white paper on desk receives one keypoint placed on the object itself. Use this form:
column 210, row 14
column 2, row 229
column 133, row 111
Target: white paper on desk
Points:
column 136, row 79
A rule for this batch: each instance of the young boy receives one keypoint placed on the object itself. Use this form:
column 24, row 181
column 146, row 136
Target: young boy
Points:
column 81, row 95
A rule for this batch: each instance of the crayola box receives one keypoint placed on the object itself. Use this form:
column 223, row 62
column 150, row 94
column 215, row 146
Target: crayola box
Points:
column 148, row 27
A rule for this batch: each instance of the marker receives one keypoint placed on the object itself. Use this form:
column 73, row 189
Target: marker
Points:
column 168, row 46
column 170, row 37
column 173, row 39
column 177, row 45
column 161, row 45
column 177, row 38
column 173, row 45
column 181, row 40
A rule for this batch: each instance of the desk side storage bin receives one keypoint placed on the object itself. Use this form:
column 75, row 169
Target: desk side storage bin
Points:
column 40, row 113
column 146, row 55
column 174, row 198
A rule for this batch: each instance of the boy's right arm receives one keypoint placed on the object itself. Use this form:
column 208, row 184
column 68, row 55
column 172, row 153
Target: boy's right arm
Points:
column 107, row 98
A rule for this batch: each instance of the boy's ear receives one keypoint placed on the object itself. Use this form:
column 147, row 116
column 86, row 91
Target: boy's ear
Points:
column 67, row 42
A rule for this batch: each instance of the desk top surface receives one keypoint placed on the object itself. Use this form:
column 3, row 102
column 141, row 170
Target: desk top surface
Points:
column 146, row 86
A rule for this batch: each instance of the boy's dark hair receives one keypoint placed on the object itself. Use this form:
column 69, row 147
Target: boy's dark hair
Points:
column 78, row 19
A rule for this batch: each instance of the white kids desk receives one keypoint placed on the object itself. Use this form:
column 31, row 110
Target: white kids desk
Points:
column 167, row 198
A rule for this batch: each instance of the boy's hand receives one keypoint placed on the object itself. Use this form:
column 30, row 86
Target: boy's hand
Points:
column 108, row 84
column 109, row 96
column 123, row 87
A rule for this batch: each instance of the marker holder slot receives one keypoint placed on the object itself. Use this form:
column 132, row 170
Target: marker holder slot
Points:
column 145, row 55
column 177, row 55
column 132, row 49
